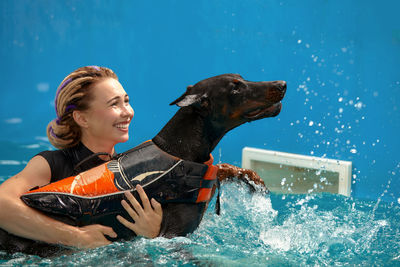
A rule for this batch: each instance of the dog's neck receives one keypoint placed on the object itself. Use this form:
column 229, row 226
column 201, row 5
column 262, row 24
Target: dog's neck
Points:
column 189, row 136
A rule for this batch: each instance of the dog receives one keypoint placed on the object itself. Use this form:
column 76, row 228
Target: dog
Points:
column 208, row 110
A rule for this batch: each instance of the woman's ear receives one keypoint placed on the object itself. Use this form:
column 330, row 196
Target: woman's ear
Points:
column 80, row 118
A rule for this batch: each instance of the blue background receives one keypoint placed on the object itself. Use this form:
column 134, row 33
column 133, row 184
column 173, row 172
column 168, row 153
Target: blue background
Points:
column 341, row 60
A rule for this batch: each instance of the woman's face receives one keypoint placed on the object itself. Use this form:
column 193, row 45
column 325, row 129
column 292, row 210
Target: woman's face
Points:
column 109, row 113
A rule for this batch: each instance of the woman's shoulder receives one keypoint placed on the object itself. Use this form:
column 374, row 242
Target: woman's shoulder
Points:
column 69, row 154
column 64, row 162
column 49, row 154
column 61, row 162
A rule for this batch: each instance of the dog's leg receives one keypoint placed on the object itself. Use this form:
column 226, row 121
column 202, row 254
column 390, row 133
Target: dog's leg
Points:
column 226, row 171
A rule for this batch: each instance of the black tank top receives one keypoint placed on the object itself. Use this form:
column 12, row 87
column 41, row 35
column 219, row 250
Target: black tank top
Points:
column 63, row 163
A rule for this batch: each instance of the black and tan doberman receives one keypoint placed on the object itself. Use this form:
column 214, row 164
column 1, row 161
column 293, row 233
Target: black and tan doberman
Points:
column 210, row 109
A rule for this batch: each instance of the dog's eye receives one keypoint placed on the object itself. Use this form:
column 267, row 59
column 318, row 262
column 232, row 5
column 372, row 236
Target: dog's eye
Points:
column 236, row 86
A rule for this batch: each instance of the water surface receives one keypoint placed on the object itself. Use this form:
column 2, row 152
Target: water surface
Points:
column 255, row 229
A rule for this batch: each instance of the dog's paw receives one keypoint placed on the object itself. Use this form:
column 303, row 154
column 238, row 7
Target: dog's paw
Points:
column 226, row 171
column 252, row 176
column 255, row 184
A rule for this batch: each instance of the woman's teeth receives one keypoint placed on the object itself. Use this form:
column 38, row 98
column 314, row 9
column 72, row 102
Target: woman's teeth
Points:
column 122, row 125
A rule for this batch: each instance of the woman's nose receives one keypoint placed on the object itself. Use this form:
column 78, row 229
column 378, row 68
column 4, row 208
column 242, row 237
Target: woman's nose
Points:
column 128, row 111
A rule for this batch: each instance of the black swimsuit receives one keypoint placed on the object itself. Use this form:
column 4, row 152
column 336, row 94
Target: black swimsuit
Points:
column 62, row 164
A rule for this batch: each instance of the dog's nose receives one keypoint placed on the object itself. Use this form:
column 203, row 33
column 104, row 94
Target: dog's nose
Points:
column 281, row 85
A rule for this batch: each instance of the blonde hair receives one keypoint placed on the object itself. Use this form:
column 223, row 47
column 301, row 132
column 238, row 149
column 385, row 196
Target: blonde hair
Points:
column 74, row 93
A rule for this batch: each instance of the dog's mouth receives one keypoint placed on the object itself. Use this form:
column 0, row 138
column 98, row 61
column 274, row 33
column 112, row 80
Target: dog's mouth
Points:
column 263, row 112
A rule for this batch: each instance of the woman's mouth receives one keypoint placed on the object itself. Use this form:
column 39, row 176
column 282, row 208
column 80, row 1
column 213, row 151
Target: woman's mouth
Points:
column 122, row 125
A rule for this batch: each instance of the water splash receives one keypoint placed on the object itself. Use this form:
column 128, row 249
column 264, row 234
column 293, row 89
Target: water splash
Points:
column 258, row 230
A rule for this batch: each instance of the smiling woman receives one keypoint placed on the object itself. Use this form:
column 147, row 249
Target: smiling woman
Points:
column 106, row 121
column 93, row 115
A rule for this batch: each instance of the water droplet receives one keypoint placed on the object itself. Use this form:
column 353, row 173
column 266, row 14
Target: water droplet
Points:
column 311, row 123
column 358, row 105
column 353, row 150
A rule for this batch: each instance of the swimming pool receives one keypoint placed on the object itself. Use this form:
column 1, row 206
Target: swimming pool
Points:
column 253, row 229
column 341, row 63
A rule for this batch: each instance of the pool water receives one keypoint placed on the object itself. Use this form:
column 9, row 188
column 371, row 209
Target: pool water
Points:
column 255, row 229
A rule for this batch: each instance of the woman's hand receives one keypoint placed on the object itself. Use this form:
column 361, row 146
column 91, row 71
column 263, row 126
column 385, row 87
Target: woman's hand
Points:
column 147, row 219
column 92, row 236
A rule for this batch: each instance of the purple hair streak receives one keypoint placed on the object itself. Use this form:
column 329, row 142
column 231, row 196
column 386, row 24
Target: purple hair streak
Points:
column 59, row 90
column 70, row 107
column 52, row 132
column 95, row 67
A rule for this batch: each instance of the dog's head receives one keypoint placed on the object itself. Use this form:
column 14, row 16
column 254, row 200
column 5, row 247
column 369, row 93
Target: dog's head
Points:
column 229, row 100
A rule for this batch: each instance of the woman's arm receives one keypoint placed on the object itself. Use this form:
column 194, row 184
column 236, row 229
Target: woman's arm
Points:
column 21, row 220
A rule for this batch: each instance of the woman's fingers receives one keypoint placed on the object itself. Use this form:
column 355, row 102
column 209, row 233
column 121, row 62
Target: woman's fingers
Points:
column 129, row 209
column 143, row 197
column 135, row 204
column 126, row 223
column 157, row 207
column 108, row 231
column 94, row 236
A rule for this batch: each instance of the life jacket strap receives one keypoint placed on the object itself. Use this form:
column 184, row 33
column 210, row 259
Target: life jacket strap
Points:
column 207, row 182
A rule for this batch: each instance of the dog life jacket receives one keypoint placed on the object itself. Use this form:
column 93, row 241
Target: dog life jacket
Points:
column 94, row 196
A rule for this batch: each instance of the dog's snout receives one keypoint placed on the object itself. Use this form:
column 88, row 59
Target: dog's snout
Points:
column 281, row 85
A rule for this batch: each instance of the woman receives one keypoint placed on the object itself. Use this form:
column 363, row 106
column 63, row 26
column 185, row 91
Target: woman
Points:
column 93, row 115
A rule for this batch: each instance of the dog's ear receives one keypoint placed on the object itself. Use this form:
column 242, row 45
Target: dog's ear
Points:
column 188, row 98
